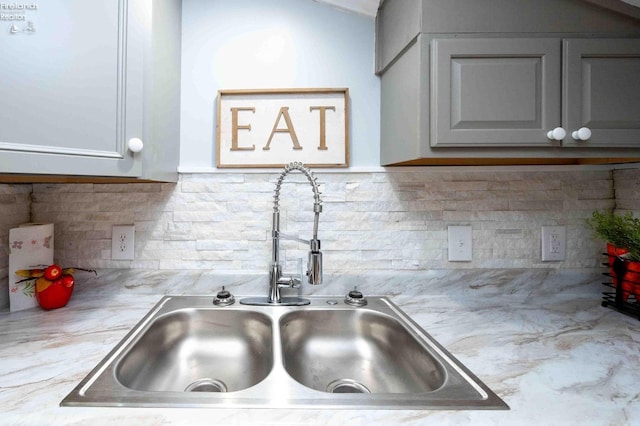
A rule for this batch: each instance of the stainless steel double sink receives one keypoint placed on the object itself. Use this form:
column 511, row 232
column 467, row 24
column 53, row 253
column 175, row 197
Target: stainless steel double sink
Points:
column 186, row 352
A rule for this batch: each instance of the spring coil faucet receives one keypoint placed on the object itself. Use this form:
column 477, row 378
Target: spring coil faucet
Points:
column 277, row 279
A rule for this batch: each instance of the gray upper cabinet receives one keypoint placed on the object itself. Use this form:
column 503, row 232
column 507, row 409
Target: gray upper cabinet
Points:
column 76, row 91
column 601, row 92
column 494, row 92
column 508, row 82
column 399, row 22
column 507, row 92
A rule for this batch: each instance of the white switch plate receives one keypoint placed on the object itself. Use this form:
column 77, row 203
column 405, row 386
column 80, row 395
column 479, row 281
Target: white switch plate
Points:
column 460, row 243
column 122, row 242
column 554, row 243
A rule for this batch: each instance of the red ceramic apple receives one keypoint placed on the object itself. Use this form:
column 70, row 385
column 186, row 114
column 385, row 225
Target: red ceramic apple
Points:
column 54, row 294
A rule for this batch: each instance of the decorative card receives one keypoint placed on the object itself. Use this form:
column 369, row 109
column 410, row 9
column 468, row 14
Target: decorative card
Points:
column 30, row 246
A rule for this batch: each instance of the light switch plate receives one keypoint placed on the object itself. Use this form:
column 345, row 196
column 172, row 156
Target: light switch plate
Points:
column 460, row 243
column 554, row 243
column 122, row 242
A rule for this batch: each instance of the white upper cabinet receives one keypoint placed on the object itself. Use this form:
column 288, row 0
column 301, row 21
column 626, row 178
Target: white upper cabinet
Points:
column 73, row 90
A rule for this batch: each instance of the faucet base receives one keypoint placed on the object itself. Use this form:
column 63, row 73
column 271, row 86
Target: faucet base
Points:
column 264, row 301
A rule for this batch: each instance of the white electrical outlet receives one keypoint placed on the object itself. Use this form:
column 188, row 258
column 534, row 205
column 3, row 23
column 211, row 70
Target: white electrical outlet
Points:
column 460, row 240
column 554, row 242
column 122, row 242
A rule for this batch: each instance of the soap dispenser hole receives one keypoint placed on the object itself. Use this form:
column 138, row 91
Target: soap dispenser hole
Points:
column 355, row 298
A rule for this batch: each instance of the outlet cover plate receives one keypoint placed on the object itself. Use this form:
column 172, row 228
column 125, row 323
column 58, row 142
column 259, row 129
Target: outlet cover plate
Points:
column 554, row 243
column 122, row 242
column 460, row 243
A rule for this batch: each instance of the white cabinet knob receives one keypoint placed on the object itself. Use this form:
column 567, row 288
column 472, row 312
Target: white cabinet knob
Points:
column 135, row 145
column 582, row 134
column 557, row 134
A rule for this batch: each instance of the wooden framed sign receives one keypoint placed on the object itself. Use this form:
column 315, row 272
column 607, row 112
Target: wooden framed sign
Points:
column 273, row 127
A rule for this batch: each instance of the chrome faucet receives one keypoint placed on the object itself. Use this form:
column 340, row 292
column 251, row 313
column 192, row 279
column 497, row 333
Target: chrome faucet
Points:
column 277, row 279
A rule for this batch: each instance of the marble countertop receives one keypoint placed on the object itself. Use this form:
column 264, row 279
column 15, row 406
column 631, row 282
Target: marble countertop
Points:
column 537, row 337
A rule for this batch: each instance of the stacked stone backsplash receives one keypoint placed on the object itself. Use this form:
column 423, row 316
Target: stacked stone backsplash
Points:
column 627, row 187
column 14, row 209
column 385, row 221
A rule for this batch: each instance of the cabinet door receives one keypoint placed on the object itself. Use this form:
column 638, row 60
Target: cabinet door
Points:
column 602, row 92
column 71, row 92
column 494, row 92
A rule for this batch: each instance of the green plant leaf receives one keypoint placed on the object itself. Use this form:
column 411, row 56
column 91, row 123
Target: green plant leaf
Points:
column 29, row 289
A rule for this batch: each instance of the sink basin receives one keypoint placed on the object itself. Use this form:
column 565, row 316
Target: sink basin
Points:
column 197, row 350
column 356, row 351
column 187, row 352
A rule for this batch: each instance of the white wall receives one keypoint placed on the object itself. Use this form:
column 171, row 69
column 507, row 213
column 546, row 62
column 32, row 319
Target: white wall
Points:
column 257, row 44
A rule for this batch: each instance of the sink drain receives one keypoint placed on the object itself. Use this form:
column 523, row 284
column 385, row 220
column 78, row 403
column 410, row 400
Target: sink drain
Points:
column 347, row 386
column 207, row 385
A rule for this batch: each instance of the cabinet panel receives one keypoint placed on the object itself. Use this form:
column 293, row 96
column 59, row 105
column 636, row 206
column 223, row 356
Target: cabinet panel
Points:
column 404, row 98
column 72, row 90
column 602, row 92
column 495, row 92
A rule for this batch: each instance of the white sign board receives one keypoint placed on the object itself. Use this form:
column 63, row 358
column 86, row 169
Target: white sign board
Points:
column 271, row 128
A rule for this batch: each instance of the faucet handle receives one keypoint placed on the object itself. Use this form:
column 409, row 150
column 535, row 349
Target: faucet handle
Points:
column 293, row 279
column 297, row 277
column 295, row 282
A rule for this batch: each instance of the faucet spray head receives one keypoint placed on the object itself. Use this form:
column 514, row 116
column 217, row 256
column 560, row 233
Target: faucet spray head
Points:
column 314, row 265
